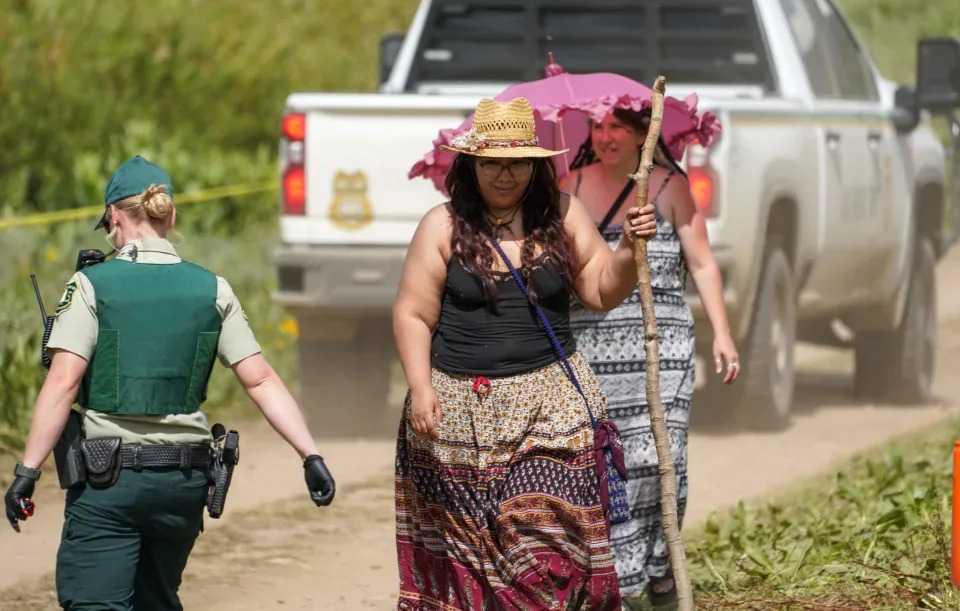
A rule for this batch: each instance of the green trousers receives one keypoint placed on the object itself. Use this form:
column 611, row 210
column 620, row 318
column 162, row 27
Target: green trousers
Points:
column 124, row 548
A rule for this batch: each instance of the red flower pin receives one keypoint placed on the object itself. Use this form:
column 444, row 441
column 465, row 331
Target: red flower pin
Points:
column 481, row 386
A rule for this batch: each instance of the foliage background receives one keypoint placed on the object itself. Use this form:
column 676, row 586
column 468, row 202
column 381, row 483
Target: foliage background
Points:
column 874, row 534
column 199, row 87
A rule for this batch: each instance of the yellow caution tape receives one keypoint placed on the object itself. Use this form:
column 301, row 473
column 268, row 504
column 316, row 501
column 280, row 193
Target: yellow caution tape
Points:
column 59, row 216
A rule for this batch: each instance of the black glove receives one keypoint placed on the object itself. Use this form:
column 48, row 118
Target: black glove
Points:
column 17, row 500
column 319, row 481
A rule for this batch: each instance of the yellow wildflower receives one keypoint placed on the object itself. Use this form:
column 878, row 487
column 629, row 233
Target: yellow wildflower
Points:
column 290, row 327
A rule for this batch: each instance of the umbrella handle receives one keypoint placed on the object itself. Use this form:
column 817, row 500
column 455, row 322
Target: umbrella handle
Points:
column 563, row 144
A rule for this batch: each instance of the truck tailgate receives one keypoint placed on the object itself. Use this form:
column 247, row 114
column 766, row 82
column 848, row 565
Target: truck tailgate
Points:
column 358, row 151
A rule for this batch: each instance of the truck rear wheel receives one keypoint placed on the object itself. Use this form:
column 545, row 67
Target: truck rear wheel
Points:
column 767, row 370
column 344, row 384
column 897, row 365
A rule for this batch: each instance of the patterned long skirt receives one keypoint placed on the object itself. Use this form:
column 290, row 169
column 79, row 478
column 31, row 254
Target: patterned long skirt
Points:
column 613, row 342
column 503, row 512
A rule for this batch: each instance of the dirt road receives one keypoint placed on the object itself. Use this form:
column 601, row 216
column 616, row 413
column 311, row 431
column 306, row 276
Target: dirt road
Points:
column 274, row 549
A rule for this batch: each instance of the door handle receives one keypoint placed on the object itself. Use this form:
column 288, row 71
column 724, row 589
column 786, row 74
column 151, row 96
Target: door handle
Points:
column 833, row 139
column 874, row 139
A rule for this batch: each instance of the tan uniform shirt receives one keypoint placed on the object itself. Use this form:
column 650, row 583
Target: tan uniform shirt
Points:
column 75, row 329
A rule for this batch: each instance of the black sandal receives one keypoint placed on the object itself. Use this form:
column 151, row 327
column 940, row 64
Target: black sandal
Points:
column 664, row 600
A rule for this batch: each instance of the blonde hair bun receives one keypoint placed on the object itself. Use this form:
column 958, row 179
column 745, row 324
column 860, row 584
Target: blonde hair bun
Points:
column 156, row 202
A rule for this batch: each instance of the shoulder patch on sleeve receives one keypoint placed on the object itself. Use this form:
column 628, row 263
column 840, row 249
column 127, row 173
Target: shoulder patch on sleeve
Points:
column 67, row 299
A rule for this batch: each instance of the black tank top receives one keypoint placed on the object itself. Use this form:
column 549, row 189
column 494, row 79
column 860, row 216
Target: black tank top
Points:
column 472, row 339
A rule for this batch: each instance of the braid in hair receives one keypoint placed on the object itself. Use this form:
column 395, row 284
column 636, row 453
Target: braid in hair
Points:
column 662, row 157
column 585, row 155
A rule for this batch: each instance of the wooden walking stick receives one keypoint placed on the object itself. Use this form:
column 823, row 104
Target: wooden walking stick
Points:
column 668, row 476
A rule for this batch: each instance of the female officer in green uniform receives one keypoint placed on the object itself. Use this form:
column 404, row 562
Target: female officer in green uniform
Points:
column 134, row 342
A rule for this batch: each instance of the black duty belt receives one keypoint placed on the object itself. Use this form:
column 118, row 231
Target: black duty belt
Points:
column 185, row 456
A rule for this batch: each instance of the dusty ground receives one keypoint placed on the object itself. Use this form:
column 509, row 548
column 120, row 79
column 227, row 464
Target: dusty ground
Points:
column 275, row 550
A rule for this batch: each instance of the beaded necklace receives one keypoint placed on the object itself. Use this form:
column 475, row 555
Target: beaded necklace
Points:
column 499, row 223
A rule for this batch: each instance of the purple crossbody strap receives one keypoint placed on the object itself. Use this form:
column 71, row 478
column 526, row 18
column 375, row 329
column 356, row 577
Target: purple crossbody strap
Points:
column 549, row 329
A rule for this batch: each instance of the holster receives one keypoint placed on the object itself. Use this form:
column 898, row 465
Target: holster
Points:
column 67, row 455
column 226, row 455
column 102, row 458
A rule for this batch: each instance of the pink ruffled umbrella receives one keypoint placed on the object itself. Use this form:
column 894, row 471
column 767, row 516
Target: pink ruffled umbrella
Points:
column 564, row 104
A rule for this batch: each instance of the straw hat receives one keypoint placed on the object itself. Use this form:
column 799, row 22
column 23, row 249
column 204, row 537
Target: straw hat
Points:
column 501, row 129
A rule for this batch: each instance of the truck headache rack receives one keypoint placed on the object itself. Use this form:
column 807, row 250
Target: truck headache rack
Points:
column 692, row 41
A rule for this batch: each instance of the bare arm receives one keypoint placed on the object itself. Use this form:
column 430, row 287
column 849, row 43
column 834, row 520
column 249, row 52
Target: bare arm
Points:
column 416, row 310
column 53, row 406
column 270, row 394
column 416, row 313
column 606, row 276
column 691, row 228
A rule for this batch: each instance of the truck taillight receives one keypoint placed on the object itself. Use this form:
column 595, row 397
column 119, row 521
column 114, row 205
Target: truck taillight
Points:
column 701, row 187
column 294, row 191
column 295, row 127
column 703, row 179
column 294, row 160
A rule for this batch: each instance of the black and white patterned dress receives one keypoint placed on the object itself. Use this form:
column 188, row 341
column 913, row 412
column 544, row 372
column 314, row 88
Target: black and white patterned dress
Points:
column 613, row 343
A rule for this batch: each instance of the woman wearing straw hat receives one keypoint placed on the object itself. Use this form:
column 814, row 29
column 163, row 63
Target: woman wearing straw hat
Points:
column 613, row 343
column 498, row 502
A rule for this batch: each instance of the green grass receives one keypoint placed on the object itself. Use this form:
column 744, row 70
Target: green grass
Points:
column 85, row 83
column 195, row 86
column 199, row 87
column 81, row 79
column 889, row 30
column 872, row 534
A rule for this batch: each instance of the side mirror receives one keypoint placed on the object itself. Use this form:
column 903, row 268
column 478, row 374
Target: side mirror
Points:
column 389, row 50
column 938, row 74
column 906, row 113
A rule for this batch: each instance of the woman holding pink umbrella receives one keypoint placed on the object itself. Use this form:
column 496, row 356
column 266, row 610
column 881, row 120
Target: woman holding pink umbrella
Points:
column 499, row 503
column 613, row 341
column 616, row 129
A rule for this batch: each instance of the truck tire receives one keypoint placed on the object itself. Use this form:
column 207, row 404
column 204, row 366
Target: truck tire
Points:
column 897, row 366
column 344, row 384
column 767, row 372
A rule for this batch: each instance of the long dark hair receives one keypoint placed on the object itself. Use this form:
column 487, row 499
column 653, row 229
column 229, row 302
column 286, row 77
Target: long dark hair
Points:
column 640, row 122
column 542, row 225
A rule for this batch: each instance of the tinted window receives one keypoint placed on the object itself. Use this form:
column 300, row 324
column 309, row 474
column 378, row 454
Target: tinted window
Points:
column 806, row 25
column 856, row 81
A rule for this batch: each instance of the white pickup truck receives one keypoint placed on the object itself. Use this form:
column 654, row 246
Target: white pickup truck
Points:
column 825, row 194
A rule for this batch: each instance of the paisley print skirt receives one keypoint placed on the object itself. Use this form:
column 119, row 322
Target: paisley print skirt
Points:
column 503, row 512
